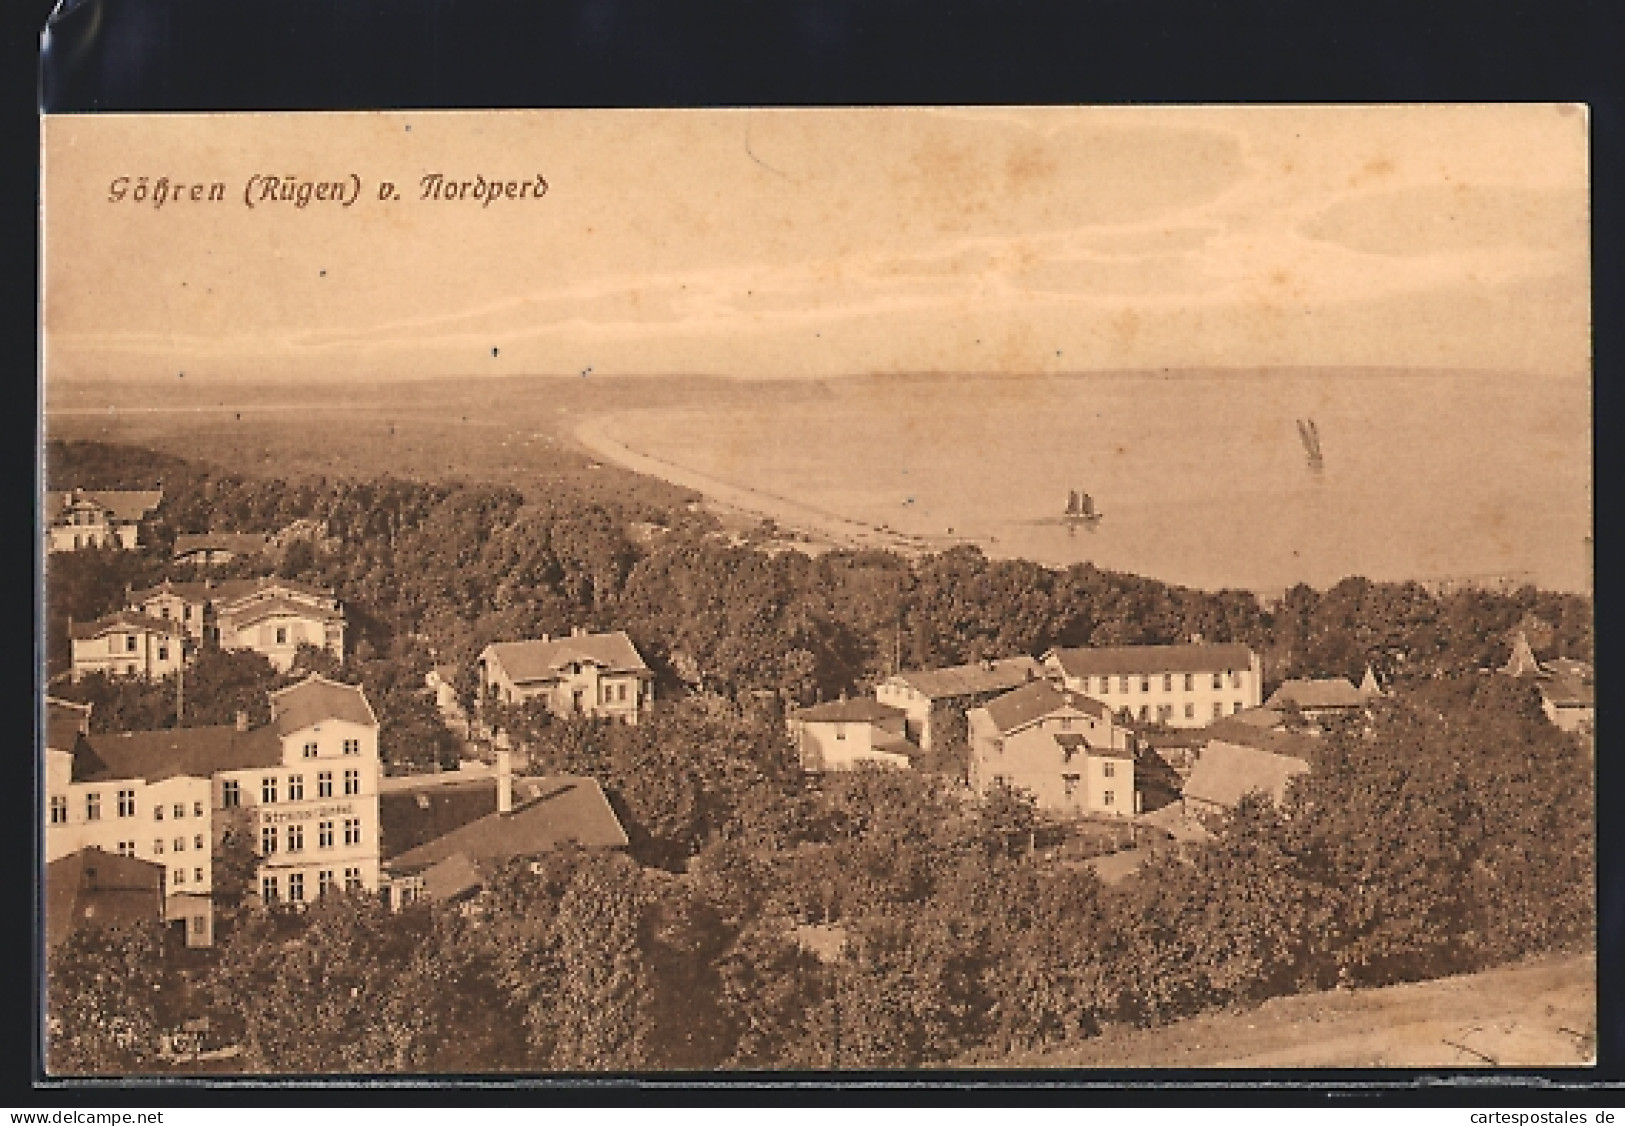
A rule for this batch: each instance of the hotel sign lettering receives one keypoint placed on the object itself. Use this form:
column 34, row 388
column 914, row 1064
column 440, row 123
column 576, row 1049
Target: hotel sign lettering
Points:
column 276, row 817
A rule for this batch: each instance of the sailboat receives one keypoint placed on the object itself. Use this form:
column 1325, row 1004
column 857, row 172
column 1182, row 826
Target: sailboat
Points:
column 1310, row 437
column 1080, row 507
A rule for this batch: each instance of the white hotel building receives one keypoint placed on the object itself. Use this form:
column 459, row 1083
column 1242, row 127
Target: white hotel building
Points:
column 1176, row 685
column 304, row 787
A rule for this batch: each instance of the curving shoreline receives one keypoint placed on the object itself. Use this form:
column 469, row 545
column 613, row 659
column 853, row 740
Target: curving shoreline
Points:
column 815, row 526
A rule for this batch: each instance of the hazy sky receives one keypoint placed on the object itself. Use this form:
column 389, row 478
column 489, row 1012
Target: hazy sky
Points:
column 782, row 243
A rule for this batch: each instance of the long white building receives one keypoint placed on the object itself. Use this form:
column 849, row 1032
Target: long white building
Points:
column 1176, row 685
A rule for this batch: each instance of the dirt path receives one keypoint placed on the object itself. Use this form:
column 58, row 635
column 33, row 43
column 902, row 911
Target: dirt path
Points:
column 1537, row 1014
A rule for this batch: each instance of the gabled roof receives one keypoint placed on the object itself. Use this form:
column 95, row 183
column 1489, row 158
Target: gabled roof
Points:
column 1149, row 659
column 125, row 621
column 238, row 543
column 567, row 809
column 196, row 752
column 452, row 877
column 1238, row 731
column 1018, row 708
column 1522, row 662
column 973, row 679
column 859, row 709
column 315, row 699
column 1331, row 692
column 1225, row 773
column 126, row 506
column 95, row 888
column 65, row 721
column 543, row 660
column 228, row 595
column 278, row 606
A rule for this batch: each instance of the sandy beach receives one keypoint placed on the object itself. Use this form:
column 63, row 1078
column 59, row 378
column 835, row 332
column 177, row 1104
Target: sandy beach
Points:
column 805, row 526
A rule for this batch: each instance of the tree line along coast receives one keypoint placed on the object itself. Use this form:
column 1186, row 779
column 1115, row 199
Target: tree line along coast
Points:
column 762, row 915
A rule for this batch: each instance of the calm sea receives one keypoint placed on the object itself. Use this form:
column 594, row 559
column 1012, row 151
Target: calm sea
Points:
column 1201, row 479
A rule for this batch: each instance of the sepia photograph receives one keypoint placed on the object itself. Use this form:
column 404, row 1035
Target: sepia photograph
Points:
column 765, row 591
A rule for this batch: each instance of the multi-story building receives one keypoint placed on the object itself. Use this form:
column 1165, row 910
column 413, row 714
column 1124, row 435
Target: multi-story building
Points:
column 843, row 733
column 600, row 674
column 1060, row 746
column 87, row 518
column 304, row 788
column 128, row 644
column 268, row 615
column 308, row 796
column 932, row 699
column 1175, row 685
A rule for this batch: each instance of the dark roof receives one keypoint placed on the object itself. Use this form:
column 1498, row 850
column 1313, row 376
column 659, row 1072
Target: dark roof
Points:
column 1333, row 692
column 1255, row 717
column 1565, row 691
column 859, row 709
column 973, row 679
column 241, row 543
column 263, row 608
column 65, row 721
column 96, row 888
column 125, row 620
column 452, row 877
column 409, row 818
column 1071, row 740
column 1225, row 773
column 126, row 505
column 1233, row 729
column 1020, row 707
column 542, row 660
column 567, row 809
column 1148, row 659
column 315, row 699
column 197, row 752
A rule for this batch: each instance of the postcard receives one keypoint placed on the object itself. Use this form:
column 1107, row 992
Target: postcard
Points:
column 817, row 590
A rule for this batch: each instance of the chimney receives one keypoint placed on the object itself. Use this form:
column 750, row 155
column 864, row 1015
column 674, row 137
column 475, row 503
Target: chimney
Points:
column 578, row 631
column 504, row 782
column 242, row 721
column 547, row 637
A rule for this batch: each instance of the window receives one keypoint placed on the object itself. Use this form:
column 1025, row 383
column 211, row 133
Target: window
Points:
column 998, row 746
column 197, row 875
column 163, row 651
column 267, row 790
column 268, row 890
column 311, row 750
column 129, row 670
column 157, row 812
column 1066, row 723
column 186, row 612
column 197, row 809
column 129, row 643
column 93, row 807
column 296, row 838
column 180, row 810
column 352, row 830
column 352, row 879
column 1238, row 705
column 158, row 847
column 1122, row 684
column 126, row 848
column 324, row 784
column 1167, row 682
column 352, row 782
column 180, row 876
column 840, row 731
column 180, row 844
column 1190, row 682
column 1145, row 713
column 1108, row 797
column 352, row 746
column 1218, row 680
column 324, row 881
column 1235, row 679
column 1145, row 684
column 296, row 787
column 59, row 811
column 606, row 693
column 296, row 887
column 197, row 842
column 1108, row 770
column 324, row 835
column 1105, row 685
column 1070, row 781
column 268, row 840
column 1190, row 711
column 1164, row 712
column 126, row 803
column 620, row 693
column 1218, row 710
column 281, row 635
column 231, row 795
